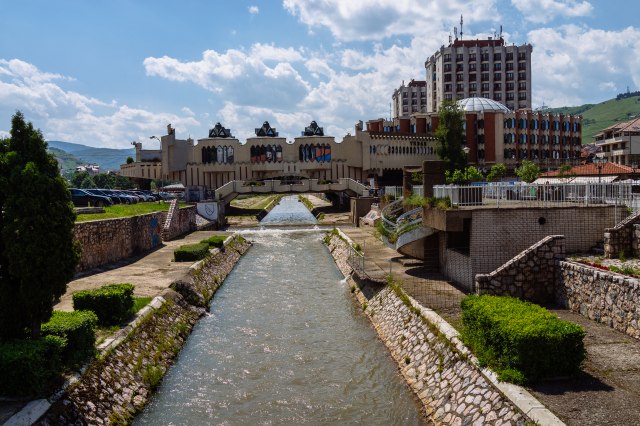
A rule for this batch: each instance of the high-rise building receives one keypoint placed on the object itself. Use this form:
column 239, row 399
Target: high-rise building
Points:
column 410, row 98
column 480, row 68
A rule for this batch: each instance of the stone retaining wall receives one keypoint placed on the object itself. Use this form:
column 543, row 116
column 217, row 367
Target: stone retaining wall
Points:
column 109, row 240
column 530, row 275
column 622, row 238
column 118, row 385
column 606, row 297
column 437, row 366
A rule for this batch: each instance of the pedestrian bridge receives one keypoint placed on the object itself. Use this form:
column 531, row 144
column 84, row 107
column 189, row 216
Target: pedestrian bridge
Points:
column 232, row 189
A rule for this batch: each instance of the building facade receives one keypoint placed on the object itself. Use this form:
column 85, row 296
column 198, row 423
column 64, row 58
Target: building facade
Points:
column 410, row 98
column 620, row 143
column 480, row 68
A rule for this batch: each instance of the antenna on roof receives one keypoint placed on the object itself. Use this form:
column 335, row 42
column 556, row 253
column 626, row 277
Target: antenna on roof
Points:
column 500, row 31
column 449, row 38
column 461, row 27
column 455, row 32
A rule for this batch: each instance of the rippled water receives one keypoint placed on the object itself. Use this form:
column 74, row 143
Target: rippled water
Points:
column 290, row 211
column 284, row 344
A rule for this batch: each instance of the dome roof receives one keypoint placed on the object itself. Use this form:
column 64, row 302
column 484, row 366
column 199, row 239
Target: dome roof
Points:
column 481, row 105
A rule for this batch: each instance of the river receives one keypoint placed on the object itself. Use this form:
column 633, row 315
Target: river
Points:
column 284, row 344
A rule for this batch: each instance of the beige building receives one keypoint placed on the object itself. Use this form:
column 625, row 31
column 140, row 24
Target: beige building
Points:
column 480, row 68
column 378, row 152
column 620, row 143
column 410, row 98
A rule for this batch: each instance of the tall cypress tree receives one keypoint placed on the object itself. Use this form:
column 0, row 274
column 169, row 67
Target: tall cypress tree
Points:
column 39, row 254
column 451, row 136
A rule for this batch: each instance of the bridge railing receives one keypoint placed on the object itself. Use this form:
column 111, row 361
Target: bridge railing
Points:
column 279, row 186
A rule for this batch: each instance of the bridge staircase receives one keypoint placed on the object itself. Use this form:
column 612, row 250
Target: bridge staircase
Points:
column 406, row 229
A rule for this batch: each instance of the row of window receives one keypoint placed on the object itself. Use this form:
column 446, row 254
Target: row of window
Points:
column 485, row 67
column 220, row 154
column 485, row 86
column 497, row 56
column 510, row 138
column 485, row 76
column 400, row 150
column 514, row 154
column 534, row 123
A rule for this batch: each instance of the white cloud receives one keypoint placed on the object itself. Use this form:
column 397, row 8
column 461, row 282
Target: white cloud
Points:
column 70, row 116
column 254, row 10
column 543, row 11
column 378, row 19
column 187, row 111
column 4, row 134
column 573, row 65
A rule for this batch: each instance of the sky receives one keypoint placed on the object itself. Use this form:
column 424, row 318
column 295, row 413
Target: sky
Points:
column 107, row 73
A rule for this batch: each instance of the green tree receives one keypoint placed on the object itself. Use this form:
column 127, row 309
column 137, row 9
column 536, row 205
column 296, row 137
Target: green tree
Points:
column 451, row 136
column 497, row 172
column 461, row 177
column 565, row 171
column 87, row 182
column 130, row 160
column 78, row 178
column 39, row 254
column 528, row 171
column 104, row 180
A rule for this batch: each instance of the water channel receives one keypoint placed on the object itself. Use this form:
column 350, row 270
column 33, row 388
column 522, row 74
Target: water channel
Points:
column 284, row 344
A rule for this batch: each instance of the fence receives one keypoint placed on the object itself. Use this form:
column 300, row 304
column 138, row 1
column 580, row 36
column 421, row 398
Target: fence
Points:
column 355, row 259
column 396, row 191
column 505, row 194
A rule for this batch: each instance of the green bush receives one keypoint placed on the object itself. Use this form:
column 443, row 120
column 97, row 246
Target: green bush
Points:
column 191, row 252
column 215, row 241
column 28, row 367
column 521, row 341
column 77, row 328
column 112, row 303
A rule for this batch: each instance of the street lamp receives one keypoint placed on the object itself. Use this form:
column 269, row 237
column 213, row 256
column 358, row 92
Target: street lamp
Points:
column 155, row 137
column 599, row 160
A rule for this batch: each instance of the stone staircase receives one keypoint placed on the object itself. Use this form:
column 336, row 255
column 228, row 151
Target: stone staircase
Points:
column 166, row 229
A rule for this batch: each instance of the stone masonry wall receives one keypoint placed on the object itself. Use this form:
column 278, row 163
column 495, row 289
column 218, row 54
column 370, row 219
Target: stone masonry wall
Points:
column 118, row 385
column 436, row 365
column 106, row 241
column 110, row 240
column 606, row 297
column 530, row 275
column 621, row 238
column 182, row 221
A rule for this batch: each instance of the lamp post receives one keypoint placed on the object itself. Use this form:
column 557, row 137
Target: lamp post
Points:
column 600, row 160
column 634, row 166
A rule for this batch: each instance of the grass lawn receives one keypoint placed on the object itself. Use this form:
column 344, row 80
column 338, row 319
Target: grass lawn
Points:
column 125, row 210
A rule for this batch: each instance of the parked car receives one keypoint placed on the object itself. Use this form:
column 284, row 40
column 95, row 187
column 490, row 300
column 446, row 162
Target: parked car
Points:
column 104, row 193
column 82, row 198
column 129, row 199
column 145, row 197
column 166, row 196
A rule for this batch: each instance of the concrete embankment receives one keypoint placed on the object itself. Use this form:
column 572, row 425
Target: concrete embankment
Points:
column 119, row 384
column 436, row 365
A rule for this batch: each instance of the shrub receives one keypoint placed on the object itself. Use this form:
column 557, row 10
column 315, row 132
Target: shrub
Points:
column 77, row 328
column 215, row 241
column 28, row 367
column 521, row 341
column 112, row 303
column 191, row 252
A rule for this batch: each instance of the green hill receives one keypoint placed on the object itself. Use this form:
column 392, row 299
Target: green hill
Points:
column 596, row 117
column 106, row 158
column 67, row 161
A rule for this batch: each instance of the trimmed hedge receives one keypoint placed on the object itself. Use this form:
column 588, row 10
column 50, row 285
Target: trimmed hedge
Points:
column 78, row 329
column 112, row 303
column 215, row 241
column 191, row 252
column 29, row 367
column 521, row 341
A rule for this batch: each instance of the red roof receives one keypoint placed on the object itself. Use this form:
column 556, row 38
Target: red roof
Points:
column 592, row 170
column 626, row 126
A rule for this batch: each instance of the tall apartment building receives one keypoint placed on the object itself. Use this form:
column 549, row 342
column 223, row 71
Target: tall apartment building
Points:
column 480, row 68
column 410, row 98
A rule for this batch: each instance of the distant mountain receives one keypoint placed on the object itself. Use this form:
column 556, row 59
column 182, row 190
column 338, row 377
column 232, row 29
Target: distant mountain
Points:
column 106, row 158
column 596, row 117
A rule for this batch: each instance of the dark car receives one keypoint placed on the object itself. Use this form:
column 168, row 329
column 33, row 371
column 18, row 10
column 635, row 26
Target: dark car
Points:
column 82, row 198
column 104, row 193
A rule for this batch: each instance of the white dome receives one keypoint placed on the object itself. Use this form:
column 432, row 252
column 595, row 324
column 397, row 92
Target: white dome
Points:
column 481, row 105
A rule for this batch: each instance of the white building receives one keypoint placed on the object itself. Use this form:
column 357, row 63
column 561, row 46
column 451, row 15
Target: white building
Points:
column 410, row 98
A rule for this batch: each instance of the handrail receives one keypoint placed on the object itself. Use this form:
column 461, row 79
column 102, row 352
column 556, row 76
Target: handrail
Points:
column 388, row 210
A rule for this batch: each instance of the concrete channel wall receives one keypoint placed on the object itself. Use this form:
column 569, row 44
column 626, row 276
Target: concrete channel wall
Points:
column 119, row 384
column 435, row 364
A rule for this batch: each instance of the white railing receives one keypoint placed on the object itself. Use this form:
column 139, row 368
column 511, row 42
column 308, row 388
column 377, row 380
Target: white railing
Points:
column 505, row 194
column 279, row 186
column 396, row 191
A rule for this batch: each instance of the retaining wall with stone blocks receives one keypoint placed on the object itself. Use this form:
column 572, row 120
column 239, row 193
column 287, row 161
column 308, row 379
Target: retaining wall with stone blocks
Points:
column 110, row 240
column 530, row 275
column 606, row 297
column 114, row 388
column 622, row 238
column 437, row 366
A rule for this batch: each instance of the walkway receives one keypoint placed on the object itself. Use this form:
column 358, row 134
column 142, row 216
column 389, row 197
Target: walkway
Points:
column 150, row 273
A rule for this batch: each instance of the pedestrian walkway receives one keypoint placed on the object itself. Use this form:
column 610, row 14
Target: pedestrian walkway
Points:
column 150, row 273
column 431, row 290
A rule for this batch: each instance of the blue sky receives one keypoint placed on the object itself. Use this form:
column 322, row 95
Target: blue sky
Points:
column 108, row 72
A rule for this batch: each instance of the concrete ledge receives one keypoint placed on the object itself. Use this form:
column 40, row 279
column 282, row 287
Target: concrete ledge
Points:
column 29, row 414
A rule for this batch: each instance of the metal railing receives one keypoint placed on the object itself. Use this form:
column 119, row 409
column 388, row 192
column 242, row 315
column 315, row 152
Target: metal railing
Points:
column 355, row 259
column 396, row 191
column 506, row 194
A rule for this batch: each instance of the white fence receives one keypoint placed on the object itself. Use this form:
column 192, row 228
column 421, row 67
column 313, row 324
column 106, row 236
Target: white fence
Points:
column 396, row 191
column 539, row 195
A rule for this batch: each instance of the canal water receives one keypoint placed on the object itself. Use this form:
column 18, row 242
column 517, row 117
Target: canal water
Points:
column 284, row 344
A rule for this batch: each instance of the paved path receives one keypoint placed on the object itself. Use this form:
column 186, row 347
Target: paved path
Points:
column 150, row 273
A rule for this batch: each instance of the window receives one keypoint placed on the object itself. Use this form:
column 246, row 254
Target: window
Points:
column 485, row 76
column 497, row 76
column 510, row 96
column 447, row 77
column 522, row 66
column 484, row 67
column 447, row 57
column 522, row 56
column 509, row 76
column 459, row 77
column 447, row 67
column 484, row 57
column 473, row 86
column 510, row 56
column 497, row 97
column 448, row 96
column 522, row 76
column 510, row 86
column 485, row 86
column 510, row 66
column 460, row 87
column 522, row 96
column 459, row 67
column 522, row 85
column 447, row 87
column 497, row 86
column 486, row 95
column 459, row 57
column 497, row 56
column 472, row 56
column 472, row 77
column 472, row 67
column 497, row 66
